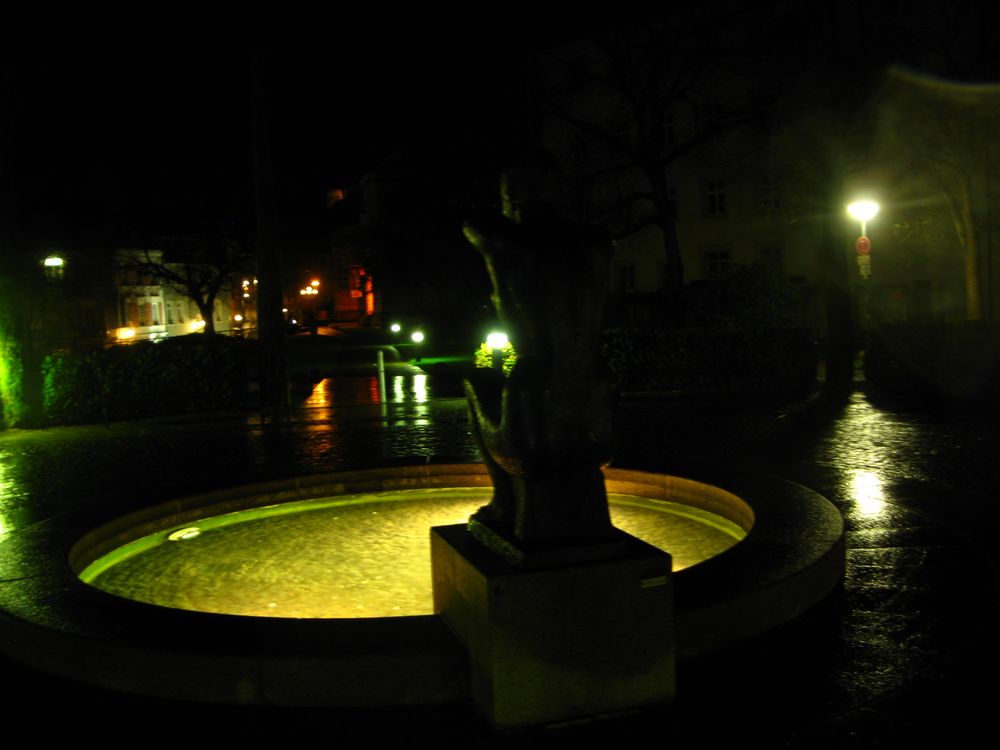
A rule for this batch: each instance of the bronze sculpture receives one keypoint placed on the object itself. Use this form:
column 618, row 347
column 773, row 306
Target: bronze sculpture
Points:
column 545, row 432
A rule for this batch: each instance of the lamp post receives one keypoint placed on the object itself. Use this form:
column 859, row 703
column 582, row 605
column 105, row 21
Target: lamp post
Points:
column 863, row 211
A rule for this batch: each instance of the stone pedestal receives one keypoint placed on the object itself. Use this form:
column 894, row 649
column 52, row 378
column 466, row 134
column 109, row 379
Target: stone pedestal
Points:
column 552, row 644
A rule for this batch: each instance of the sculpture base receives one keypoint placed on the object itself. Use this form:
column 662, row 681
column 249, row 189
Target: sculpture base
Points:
column 547, row 555
column 554, row 644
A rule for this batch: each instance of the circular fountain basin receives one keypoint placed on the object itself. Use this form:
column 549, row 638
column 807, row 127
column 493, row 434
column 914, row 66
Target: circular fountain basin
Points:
column 791, row 557
column 354, row 555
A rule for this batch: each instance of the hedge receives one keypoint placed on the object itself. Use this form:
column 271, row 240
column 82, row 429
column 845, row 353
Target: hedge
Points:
column 186, row 374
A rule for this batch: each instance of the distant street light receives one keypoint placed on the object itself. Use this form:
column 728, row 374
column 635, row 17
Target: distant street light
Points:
column 497, row 340
column 417, row 337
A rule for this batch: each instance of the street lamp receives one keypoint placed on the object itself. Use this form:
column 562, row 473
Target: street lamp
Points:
column 863, row 211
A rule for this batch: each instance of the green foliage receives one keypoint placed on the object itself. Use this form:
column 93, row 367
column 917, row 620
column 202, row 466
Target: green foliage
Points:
column 484, row 357
column 11, row 376
column 186, row 374
column 13, row 406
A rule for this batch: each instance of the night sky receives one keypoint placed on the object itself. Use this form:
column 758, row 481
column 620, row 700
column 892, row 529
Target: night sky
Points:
column 146, row 128
column 154, row 135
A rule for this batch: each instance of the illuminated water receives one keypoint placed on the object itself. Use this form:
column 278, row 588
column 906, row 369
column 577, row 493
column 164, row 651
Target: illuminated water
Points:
column 347, row 556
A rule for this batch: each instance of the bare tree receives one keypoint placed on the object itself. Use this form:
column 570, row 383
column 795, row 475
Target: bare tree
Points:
column 197, row 269
column 940, row 137
column 627, row 104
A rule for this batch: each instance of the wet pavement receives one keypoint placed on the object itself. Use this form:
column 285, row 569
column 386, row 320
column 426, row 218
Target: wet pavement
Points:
column 898, row 655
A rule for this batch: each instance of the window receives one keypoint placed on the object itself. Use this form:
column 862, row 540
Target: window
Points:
column 715, row 198
column 717, row 262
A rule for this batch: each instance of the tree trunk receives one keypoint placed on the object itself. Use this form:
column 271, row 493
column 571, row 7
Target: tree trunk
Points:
column 207, row 309
column 674, row 277
column 966, row 228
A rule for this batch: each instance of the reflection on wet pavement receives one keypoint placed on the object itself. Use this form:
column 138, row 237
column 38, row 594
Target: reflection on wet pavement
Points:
column 918, row 492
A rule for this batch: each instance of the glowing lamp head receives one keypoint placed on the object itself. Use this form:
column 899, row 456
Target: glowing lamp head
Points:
column 863, row 210
column 417, row 337
column 53, row 261
column 497, row 340
column 395, row 328
column 238, row 318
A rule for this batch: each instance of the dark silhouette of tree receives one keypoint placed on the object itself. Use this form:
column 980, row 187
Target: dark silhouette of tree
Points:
column 628, row 103
column 940, row 137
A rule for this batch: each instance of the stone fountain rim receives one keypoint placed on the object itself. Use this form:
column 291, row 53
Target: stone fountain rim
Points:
column 792, row 557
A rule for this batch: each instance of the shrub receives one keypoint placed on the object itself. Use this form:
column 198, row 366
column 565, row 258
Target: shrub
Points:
column 186, row 374
column 484, row 357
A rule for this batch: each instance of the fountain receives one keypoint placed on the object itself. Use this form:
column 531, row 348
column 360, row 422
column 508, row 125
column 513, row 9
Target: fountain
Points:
column 543, row 610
